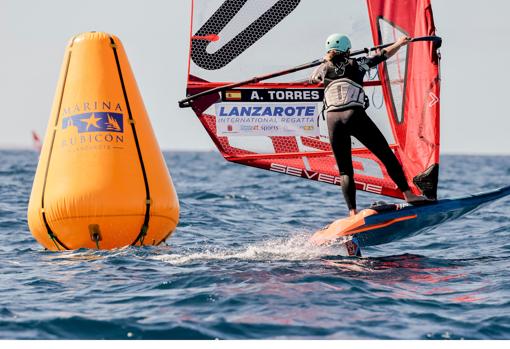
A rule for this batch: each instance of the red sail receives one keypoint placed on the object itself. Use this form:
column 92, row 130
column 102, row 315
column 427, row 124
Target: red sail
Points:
column 277, row 125
column 413, row 89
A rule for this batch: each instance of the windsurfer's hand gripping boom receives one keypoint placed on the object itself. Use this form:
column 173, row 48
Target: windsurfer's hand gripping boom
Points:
column 391, row 50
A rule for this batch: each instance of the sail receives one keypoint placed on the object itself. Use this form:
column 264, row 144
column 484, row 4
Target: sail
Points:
column 277, row 125
column 36, row 142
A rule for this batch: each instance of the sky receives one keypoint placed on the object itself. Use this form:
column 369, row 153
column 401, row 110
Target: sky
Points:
column 475, row 109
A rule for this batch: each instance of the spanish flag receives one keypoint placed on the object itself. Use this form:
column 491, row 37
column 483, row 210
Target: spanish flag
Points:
column 233, row 95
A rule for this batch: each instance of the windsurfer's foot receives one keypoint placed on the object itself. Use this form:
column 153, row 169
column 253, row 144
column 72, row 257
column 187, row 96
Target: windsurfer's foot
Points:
column 353, row 212
column 414, row 199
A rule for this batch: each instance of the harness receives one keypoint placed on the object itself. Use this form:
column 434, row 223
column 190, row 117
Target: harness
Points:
column 344, row 93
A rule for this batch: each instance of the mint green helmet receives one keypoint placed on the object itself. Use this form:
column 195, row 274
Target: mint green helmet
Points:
column 338, row 42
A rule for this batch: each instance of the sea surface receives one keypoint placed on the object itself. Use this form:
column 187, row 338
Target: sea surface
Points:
column 239, row 265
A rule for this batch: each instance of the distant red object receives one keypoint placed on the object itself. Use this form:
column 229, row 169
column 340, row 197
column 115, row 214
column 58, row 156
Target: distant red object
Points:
column 36, row 141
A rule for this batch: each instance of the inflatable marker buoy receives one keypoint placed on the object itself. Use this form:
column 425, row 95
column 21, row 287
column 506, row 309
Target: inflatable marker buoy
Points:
column 101, row 181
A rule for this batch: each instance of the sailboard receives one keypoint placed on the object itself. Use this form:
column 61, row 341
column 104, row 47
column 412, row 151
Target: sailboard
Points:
column 385, row 223
column 276, row 124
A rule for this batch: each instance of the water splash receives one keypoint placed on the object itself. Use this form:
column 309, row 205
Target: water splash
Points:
column 295, row 248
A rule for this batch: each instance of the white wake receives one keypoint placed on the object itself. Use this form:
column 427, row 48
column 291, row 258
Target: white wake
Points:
column 295, row 248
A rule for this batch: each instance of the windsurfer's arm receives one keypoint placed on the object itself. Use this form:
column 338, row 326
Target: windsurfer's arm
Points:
column 391, row 50
column 317, row 76
column 384, row 54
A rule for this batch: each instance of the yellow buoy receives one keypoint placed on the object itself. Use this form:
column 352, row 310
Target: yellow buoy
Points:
column 101, row 181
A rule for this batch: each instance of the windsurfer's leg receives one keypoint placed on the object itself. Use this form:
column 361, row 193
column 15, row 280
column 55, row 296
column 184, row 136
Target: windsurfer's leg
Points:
column 364, row 129
column 341, row 145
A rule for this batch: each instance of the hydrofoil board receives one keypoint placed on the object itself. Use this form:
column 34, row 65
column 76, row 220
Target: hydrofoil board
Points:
column 385, row 223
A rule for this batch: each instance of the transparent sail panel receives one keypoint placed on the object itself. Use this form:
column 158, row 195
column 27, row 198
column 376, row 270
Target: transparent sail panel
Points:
column 262, row 36
column 395, row 66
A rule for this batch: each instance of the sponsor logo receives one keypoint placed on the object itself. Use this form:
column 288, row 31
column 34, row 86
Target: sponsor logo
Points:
column 95, row 122
column 91, row 106
column 269, row 127
column 251, row 128
column 92, row 126
column 267, row 119
column 289, row 111
column 298, row 172
column 321, row 177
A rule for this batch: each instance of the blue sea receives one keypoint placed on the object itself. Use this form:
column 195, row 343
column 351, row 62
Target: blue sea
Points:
column 239, row 265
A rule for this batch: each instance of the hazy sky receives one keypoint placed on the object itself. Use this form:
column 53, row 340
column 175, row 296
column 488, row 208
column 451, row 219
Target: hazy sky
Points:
column 33, row 35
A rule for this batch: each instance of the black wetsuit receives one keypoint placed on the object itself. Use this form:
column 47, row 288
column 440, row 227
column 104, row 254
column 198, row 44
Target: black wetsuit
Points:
column 354, row 121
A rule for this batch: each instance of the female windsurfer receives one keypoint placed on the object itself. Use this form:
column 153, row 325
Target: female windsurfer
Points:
column 345, row 101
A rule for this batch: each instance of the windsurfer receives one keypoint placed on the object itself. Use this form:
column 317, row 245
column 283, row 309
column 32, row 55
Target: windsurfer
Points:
column 345, row 103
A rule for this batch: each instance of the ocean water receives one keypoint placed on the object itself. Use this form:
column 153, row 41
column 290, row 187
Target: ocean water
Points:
column 239, row 265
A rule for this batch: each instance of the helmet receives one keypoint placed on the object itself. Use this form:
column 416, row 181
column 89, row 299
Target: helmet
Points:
column 338, row 42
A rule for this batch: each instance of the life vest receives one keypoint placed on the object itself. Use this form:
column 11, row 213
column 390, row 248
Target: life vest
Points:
column 344, row 93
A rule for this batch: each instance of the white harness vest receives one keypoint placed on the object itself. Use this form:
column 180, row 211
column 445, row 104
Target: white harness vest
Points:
column 343, row 93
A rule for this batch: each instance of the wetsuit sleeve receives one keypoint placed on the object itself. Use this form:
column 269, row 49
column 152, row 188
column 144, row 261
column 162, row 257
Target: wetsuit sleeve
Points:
column 372, row 61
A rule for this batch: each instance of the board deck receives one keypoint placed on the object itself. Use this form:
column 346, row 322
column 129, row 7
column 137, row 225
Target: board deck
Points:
column 392, row 222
